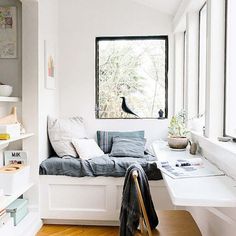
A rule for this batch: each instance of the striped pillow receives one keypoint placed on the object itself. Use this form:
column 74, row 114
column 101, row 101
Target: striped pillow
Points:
column 105, row 138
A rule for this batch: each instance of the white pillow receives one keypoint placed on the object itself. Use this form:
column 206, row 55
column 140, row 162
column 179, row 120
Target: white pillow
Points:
column 62, row 131
column 87, row 148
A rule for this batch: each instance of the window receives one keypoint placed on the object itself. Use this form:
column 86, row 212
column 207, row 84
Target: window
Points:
column 185, row 72
column 136, row 69
column 202, row 60
column 230, row 81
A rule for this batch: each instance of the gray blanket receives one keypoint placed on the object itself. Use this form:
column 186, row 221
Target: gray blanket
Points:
column 99, row 166
column 130, row 209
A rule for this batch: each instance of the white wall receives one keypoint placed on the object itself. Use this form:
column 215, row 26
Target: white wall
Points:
column 79, row 23
column 30, row 90
column 192, row 64
column 39, row 24
column 179, row 72
column 48, row 99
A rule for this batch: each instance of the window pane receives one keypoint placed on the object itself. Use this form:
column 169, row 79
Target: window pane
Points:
column 202, row 60
column 135, row 69
column 185, row 72
column 230, row 96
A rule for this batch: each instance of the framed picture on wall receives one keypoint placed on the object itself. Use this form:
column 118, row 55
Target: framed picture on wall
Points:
column 50, row 78
column 8, row 32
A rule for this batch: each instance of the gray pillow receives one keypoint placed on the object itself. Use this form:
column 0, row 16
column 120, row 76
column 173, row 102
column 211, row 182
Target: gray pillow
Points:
column 105, row 138
column 62, row 131
column 128, row 147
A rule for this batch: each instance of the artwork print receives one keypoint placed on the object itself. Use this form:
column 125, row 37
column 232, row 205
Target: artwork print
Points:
column 49, row 65
column 8, row 32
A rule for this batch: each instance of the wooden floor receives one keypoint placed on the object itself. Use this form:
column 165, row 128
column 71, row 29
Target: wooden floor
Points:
column 171, row 223
column 70, row 230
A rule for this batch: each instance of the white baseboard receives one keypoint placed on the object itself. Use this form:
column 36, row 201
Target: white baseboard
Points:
column 80, row 222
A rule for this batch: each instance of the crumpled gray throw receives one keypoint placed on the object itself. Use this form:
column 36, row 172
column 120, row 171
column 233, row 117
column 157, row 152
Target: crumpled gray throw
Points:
column 130, row 212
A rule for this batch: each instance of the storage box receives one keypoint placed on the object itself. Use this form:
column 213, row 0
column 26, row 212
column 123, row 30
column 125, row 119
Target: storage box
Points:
column 18, row 210
column 13, row 178
column 15, row 157
column 13, row 130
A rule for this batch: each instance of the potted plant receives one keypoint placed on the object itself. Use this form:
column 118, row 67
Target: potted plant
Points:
column 177, row 138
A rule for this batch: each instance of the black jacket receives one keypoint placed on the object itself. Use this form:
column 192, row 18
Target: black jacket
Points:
column 130, row 212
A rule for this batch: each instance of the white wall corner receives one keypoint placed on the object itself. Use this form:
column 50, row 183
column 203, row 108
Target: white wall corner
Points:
column 192, row 30
column 178, row 71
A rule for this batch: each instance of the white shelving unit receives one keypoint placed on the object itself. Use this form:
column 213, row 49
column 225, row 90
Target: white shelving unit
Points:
column 7, row 200
column 9, row 99
column 5, row 143
column 27, row 227
column 31, row 223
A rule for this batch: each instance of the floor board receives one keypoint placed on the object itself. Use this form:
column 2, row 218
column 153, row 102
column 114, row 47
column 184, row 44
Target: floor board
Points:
column 71, row 230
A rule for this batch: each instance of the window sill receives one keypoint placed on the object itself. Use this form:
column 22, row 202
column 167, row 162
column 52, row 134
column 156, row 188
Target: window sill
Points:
column 227, row 146
column 223, row 154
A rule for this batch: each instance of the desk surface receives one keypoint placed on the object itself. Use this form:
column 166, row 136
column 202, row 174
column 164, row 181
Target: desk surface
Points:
column 214, row 191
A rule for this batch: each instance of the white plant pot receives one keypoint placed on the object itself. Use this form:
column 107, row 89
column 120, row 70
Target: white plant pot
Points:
column 5, row 90
column 178, row 142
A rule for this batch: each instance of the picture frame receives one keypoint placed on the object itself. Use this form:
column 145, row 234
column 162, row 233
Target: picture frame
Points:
column 8, row 32
column 49, row 67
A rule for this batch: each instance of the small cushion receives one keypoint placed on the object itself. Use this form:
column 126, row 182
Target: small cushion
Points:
column 128, row 147
column 62, row 131
column 87, row 148
column 105, row 138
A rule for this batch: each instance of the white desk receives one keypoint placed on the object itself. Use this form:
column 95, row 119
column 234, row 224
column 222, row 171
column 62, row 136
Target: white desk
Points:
column 215, row 191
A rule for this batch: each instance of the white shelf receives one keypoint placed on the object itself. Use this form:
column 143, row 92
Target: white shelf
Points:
column 7, row 200
column 4, row 143
column 29, row 226
column 9, row 99
column 211, row 191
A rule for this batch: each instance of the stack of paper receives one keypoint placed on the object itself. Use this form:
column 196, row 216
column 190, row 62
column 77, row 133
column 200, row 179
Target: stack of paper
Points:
column 176, row 170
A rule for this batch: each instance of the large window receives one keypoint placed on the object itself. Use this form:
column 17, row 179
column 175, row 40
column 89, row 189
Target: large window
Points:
column 185, row 72
column 131, row 75
column 230, row 83
column 202, row 60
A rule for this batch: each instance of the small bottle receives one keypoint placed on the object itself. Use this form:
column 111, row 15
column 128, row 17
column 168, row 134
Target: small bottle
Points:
column 193, row 149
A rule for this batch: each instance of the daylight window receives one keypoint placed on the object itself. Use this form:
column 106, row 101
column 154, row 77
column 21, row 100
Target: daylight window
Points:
column 185, row 72
column 230, row 95
column 202, row 60
column 131, row 77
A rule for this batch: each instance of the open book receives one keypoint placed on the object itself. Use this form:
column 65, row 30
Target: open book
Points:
column 189, row 168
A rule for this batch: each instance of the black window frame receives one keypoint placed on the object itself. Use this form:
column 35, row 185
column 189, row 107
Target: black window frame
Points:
column 225, row 72
column 109, row 38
